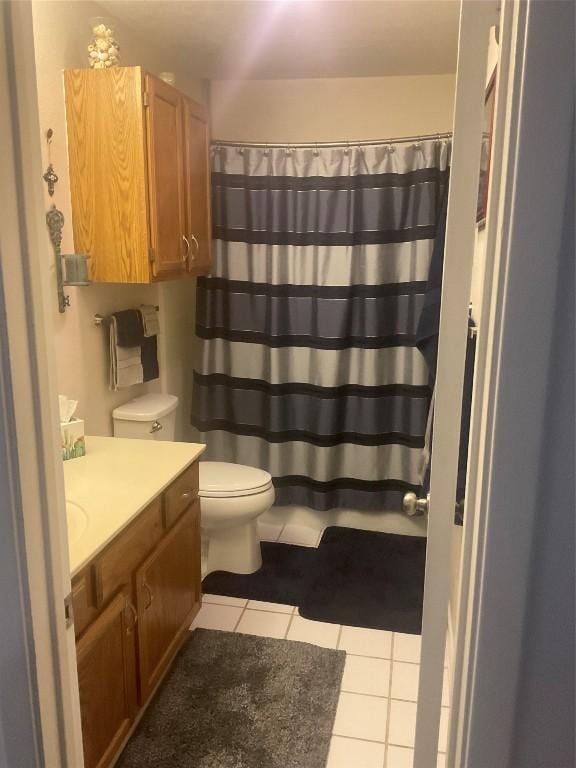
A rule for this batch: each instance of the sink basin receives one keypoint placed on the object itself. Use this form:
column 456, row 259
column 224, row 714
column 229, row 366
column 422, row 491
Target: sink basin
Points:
column 77, row 521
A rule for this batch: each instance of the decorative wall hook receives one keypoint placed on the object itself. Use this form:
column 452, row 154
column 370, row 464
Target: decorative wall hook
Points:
column 50, row 176
column 55, row 223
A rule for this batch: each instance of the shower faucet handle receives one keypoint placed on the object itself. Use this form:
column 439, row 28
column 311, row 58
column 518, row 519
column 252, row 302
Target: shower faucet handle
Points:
column 413, row 506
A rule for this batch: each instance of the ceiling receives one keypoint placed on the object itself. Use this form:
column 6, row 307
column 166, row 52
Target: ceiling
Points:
column 271, row 39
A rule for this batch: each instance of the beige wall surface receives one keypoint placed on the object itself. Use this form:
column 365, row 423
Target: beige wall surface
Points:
column 289, row 110
column 61, row 33
column 347, row 109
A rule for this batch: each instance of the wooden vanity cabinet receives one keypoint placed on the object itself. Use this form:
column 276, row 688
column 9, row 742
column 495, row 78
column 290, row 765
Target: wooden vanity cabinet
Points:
column 133, row 606
column 167, row 598
column 138, row 155
column 106, row 656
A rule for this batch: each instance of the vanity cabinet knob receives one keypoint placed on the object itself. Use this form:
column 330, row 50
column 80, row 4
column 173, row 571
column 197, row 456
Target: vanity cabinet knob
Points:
column 187, row 495
column 156, row 427
column 146, row 586
column 134, row 613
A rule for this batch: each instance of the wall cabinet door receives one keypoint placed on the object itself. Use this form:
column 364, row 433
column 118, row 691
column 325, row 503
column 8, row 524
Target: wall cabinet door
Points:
column 106, row 655
column 139, row 176
column 166, row 191
column 107, row 164
column 197, row 182
column 168, row 597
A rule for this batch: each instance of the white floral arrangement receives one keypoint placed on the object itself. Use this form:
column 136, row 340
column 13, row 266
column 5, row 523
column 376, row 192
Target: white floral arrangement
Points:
column 104, row 52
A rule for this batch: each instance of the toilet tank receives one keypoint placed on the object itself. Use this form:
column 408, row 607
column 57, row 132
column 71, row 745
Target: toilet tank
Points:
column 149, row 417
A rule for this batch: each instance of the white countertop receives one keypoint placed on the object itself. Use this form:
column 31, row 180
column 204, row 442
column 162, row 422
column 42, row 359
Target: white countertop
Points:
column 114, row 482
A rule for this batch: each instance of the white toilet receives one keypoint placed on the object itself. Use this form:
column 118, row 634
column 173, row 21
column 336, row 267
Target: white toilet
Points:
column 232, row 496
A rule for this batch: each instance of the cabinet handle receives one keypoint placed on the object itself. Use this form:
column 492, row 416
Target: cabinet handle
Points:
column 187, row 254
column 150, row 595
column 197, row 244
column 187, row 495
column 134, row 617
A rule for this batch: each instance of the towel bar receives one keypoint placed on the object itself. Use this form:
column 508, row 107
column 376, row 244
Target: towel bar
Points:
column 101, row 319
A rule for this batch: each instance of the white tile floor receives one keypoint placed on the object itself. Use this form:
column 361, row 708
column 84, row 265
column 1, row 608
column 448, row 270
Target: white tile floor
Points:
column 376, row 715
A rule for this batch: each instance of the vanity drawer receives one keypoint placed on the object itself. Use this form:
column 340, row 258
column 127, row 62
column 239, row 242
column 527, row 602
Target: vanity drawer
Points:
column 179, row 495
column 115, row 566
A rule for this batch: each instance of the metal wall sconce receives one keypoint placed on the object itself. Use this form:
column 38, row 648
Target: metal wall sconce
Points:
column 71, row 268
column 76, row 264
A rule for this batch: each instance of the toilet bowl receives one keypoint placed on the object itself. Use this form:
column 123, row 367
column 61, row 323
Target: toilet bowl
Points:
column 232, row 498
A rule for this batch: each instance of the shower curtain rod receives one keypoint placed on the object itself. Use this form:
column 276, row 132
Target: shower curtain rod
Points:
column 321, row 144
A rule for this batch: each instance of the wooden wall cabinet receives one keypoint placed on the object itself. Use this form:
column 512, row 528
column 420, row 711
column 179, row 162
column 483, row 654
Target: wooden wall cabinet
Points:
column 133, row 606
column 138, row 154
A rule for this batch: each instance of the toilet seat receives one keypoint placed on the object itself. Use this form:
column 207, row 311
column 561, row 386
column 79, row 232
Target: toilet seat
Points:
column 222, row 479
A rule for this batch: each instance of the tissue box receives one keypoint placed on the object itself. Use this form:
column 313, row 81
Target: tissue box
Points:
column 72, row 433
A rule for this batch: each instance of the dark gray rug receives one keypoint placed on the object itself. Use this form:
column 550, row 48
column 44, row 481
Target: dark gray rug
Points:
column 239, row 701
column 367, row 579
column 283, row 577
column 359, row 578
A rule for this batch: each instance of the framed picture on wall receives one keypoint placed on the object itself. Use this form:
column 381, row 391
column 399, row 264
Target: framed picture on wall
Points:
column 487, row 126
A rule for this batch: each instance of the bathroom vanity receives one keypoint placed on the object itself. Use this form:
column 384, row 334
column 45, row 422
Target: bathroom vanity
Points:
column 134, row 541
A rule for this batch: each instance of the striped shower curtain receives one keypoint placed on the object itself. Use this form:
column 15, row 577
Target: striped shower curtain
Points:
column 309, row 367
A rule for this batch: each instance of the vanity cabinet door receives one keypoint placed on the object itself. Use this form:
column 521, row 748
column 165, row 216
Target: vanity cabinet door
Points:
column 198, row 203
column 168, row 597
column 106, row 655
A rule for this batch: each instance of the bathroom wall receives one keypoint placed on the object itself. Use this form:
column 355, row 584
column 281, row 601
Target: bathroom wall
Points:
column 331, row 109
column 61, row 33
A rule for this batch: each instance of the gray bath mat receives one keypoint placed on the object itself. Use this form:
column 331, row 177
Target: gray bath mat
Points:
column 239, row 701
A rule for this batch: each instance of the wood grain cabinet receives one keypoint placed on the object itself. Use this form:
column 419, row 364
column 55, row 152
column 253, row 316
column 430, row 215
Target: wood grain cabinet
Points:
column 139, row 176
column 133, row 606
column 166, row 598
column 106, row 656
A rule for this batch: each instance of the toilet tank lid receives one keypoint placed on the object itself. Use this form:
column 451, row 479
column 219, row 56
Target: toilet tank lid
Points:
column 224, row 478
column 146, row 408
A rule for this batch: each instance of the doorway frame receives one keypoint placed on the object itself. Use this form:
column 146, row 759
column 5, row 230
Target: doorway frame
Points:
column 27, row 300
column 476, row 21
column 31, row 403
column 508, row 426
